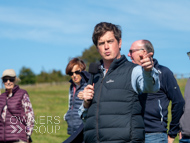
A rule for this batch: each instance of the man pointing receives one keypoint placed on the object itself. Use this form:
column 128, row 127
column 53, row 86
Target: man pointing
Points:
column 111, row 108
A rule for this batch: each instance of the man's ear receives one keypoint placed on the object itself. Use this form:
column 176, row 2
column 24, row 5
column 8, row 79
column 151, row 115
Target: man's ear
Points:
column 120, row 42
column 145, row 52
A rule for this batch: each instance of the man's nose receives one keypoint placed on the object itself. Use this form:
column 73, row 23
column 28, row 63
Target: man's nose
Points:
column 129, row 54
column 106, row 46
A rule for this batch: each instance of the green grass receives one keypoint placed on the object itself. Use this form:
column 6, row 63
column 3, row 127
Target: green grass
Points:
column 50, row 103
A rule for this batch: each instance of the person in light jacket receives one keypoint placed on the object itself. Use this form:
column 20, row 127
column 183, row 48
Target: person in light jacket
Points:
column 79, row 78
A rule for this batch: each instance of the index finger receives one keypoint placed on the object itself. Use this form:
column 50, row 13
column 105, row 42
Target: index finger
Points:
column 89, row 86
column 148, row 55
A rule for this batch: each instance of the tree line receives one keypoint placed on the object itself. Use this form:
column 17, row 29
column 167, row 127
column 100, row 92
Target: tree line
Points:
column 89, row 55
column 27, row 76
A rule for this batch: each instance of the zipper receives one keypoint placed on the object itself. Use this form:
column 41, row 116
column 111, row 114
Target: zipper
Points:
column 159, row 104
column 72, row 110
column 98, row 110
column 74, row 92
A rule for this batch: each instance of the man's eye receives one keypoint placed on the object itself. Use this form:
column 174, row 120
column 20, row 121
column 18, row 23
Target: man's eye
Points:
column 101, row 43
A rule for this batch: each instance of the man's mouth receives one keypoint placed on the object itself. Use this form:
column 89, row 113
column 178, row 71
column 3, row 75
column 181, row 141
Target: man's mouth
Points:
column 107, row 53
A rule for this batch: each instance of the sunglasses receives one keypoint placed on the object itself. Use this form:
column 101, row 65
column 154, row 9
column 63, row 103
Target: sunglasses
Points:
column 133, row 50
column 76, row 72
column 10, row 79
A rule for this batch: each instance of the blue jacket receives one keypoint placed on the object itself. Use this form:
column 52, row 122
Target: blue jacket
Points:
column 155, row 106
column 72, row 118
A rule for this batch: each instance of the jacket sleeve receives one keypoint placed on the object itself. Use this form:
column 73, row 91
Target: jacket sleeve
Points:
column 64, row 117
column 145, row 82
column 26, row 104
column 173, row 92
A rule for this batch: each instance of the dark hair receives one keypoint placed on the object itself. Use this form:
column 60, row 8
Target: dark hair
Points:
column 148, row 46
column 73, row 62
column 101, row 28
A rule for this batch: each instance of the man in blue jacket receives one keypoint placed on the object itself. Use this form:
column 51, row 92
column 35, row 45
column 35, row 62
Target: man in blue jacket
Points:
column 155, row 105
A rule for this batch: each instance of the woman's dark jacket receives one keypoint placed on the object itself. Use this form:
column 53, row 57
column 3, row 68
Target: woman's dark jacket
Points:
column 72, row 117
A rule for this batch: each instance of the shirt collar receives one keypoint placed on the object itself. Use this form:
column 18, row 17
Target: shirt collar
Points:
column 103, row 69
column 10, row 95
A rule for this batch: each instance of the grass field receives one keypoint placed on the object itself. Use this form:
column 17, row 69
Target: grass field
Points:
column 50, row 103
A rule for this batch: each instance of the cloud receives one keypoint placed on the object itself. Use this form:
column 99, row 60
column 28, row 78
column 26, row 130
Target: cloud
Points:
column 38, row 24
column 168, row 14
column 64, row 21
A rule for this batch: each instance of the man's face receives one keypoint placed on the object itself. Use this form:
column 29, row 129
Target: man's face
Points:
column 136, row 52
column 108, row 47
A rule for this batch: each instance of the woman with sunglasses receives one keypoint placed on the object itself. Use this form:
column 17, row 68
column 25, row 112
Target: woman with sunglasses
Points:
column 79, row 78
column 17, row 117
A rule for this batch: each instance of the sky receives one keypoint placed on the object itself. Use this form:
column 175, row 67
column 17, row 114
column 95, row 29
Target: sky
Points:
column 44, row 34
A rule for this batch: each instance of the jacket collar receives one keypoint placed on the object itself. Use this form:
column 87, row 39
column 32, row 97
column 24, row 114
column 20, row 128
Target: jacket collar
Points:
column 116, row 63
column 156, row 64
column 85, row 77
column 16, row 87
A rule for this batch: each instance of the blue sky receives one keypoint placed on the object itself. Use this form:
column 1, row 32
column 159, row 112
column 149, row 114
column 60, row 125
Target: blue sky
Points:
column 45, row 34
